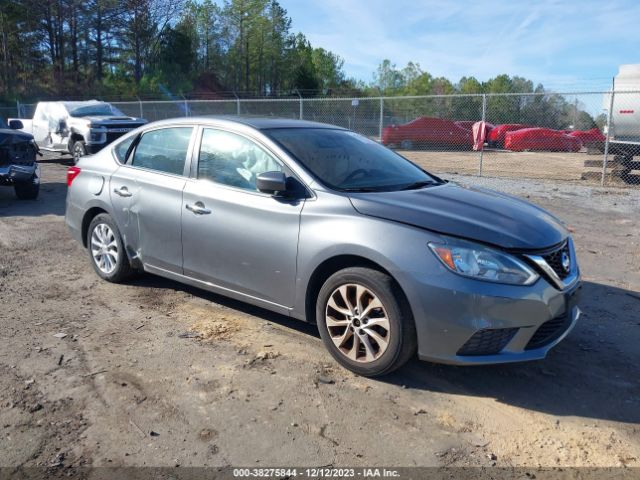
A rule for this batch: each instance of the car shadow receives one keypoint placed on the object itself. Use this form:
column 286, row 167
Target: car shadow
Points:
column 156, row 282
column 591, row 374
column 50, row 201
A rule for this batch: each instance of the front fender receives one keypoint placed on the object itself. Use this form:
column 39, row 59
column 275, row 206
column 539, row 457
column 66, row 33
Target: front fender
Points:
column 331, row 231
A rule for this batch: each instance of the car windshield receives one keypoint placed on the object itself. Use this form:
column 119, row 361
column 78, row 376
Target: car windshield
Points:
column 346, row 161
column 93, row 109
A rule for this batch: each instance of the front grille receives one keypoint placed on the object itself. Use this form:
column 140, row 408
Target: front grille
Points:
column 554, row 260
column 488, row 342
column 122, row 125
column 111, row 136
column 549, row 331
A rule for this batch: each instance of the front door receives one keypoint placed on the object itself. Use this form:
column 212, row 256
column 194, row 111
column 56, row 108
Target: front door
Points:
column 233, row 235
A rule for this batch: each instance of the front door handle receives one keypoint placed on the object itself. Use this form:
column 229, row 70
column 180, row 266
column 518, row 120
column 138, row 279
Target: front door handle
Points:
column 198, row 208
column 122, row 191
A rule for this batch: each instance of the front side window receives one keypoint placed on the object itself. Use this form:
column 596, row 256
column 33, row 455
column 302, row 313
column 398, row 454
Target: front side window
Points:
column 163, row 150
column 346, row 161
column 233, row 160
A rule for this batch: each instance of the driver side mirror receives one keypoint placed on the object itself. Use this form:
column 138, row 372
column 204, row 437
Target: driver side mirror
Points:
column 271, row 182
column 15, row 125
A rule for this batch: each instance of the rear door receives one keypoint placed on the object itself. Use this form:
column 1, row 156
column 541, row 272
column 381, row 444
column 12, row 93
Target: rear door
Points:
column 150, row 188
column 233, row 235
column 121, row 187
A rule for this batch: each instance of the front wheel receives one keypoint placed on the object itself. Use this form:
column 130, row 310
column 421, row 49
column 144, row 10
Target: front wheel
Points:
column 106, row 249
column 365, row 321
column 78, row 150
column 28, row 190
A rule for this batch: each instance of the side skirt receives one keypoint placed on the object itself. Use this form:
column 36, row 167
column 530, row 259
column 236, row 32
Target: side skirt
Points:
column 211, row 287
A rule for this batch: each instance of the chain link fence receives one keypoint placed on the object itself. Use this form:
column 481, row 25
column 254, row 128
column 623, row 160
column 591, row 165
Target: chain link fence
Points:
column 588, row 138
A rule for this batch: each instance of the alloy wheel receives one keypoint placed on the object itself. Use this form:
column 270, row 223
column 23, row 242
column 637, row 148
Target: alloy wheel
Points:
column 357, row 323
column 104, row 248
column 78, row 152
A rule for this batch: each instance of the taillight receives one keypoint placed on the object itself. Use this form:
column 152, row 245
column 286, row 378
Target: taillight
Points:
column 72, row 173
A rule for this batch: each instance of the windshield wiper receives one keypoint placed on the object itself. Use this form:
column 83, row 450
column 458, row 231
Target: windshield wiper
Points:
column 361, row 189
column 417, row 185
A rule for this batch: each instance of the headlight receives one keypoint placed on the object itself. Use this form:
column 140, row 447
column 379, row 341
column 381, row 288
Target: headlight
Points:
column 483, row 263
column 97, row 135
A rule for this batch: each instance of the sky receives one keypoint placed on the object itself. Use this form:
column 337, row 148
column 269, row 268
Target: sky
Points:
column 565, row 45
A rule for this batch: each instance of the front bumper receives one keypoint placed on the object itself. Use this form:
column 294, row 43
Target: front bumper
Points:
column 456, row 318
column 17, row 173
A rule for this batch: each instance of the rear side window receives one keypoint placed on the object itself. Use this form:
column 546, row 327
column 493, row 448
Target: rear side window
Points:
column 233, row 160
column 121, row 149
column 163, row 150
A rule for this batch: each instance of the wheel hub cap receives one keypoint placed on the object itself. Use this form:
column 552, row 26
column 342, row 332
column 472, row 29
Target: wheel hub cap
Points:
column 104, row 248
column 357, row 323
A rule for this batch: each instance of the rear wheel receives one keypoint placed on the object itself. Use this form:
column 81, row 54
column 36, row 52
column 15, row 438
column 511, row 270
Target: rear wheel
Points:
column 78, row 150
column 365, row 321
column 28, row 190
column 106, row 249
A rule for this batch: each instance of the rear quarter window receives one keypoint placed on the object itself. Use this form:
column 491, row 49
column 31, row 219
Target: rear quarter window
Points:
column 163, row 150
column 120, row 150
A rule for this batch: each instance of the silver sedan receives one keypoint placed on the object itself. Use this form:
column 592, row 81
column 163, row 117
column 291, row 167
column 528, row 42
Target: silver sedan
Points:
column 324, row 225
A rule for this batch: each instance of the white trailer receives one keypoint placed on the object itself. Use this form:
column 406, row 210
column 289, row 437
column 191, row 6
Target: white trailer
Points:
column 624, row 127
column 623, row 130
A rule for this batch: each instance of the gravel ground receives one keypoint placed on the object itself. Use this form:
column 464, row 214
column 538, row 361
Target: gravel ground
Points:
column 155, row 373
column 625, row 200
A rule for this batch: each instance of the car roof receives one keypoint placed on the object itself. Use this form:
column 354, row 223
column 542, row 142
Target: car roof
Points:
column 75, row 102
column 256, row 122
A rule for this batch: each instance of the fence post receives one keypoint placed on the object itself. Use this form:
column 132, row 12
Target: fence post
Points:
column 301, row 105
column 237, row 103
column 381, row 117
column 606, row 142
column 484, row 117
column 186, row 105
column 140, row 105
column 19, row 115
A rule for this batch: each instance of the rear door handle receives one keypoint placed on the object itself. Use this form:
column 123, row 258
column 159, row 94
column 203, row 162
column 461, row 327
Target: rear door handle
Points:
column 122, row 191
column 198, row 208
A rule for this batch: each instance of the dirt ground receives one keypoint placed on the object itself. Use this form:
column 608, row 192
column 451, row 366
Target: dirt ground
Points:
column 159, row 374
column 580, row 167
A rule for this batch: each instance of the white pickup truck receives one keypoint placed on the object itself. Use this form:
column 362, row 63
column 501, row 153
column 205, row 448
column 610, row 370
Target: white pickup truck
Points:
column 77, row 128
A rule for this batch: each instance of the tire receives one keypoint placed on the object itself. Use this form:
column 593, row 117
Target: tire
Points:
column 78, row 149
column 115, row 266
column 28, row 190
column 376, row 358
column 406, row 145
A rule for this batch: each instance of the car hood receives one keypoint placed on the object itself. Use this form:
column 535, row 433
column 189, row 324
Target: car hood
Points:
column 9, row 136
column 472, row 213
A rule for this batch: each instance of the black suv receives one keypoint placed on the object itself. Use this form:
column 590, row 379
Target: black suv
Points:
column 18, row 166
